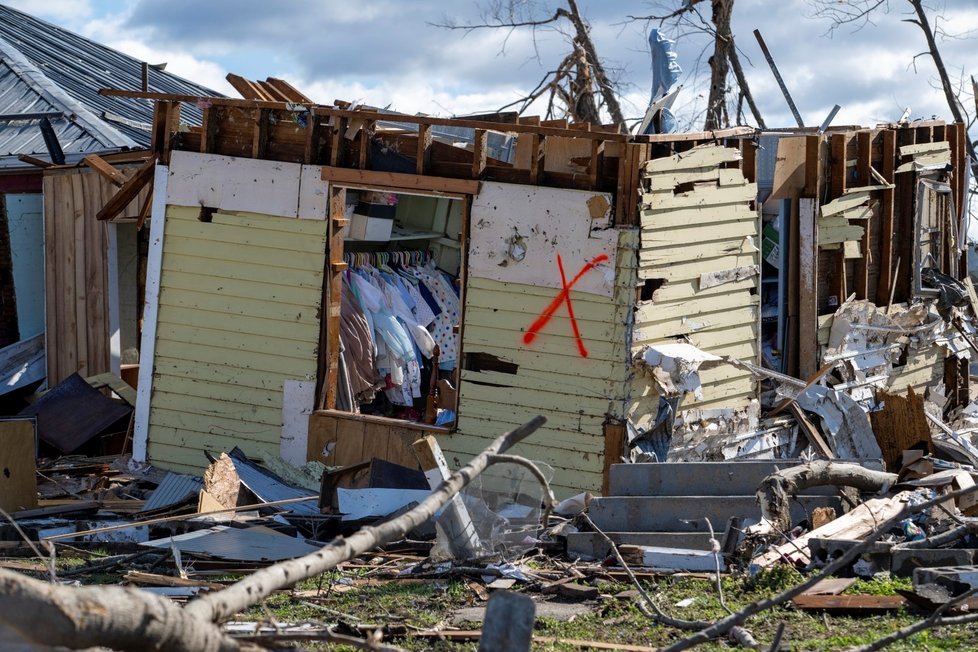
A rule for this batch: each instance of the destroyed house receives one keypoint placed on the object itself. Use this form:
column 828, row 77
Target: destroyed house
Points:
column 640, row 292
column 69, row 283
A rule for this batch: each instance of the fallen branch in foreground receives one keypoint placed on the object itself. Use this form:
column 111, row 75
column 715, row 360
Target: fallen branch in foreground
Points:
column 129, row 619
column 723, row 626
column 935, row 619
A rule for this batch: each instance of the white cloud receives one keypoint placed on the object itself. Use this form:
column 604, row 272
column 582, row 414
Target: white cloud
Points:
column 63, row 12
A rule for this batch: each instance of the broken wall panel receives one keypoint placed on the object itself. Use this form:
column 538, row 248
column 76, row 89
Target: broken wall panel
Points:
column 77, row 283
column 506, row 379
column 699, row 262
column 238, row 315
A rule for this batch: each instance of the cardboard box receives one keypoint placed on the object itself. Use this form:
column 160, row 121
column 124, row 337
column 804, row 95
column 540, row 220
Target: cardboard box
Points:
column 363, row 227
column 770, row 246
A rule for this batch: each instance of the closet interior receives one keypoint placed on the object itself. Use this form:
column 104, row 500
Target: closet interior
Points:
column 400, row 306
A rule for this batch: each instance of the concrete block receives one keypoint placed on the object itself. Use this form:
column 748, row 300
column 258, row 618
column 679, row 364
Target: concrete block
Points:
column 906, row 562
column 731, row 478
column 591, row 545
column 957, row 579
column 686, row 513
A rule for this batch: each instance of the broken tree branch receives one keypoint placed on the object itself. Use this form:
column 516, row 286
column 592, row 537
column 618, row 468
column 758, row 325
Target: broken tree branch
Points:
column 217, row 607
column 724, row 626
column 129, row 619
column 777, row 489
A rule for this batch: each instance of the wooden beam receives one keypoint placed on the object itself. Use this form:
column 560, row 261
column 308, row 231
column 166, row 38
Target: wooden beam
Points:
column 106, row 169
column 144, row 211
column 328, row 375
column 290, row 92
column 118, row 202
column 41, row 163
column 479, row 153
column 423, row 155
column 271, row 92
column 538, row 158
column 595, row 163
column 837, row 186
column 208, row 130
column 886, row 219
column 259, row 137
column 336, row 129
column 397, row 180
column 246, row 88
column 864, row 155
column 363, row 160
column 368, row 114
column 807, row 279
column 614, row 447
column 314, row 134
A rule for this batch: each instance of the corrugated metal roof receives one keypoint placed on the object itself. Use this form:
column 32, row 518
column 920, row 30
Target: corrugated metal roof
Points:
column 175, row 488
column 269, row 488
column 44, row 69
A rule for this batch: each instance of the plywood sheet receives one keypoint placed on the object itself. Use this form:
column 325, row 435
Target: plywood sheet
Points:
column 18, row 478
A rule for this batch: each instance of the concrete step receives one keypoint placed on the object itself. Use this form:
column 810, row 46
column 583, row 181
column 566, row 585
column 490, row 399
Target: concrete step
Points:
column 702, row 478
column 591, row 545
column 686, row 513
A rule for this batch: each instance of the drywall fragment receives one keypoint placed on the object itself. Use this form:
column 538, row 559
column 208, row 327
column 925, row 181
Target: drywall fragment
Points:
column 675, row 367
column 712, row 279
column 682, row 559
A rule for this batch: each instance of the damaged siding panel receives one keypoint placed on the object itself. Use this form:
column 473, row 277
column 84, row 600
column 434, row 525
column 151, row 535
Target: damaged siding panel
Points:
column 698, row 240
column 231, row 331
column 505, row 296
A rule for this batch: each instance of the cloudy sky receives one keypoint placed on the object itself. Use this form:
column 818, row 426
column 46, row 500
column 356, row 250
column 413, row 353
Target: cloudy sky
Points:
column 387, row 52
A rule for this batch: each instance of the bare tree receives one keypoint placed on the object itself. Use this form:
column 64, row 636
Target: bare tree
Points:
column 581, row 78
column 723, row 60
column 860, row 13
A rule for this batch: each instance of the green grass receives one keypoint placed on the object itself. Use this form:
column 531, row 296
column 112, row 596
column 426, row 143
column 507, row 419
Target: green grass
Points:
column 398, row 606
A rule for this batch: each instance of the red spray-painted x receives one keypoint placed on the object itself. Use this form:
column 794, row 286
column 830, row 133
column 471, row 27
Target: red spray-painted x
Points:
column 564, row 295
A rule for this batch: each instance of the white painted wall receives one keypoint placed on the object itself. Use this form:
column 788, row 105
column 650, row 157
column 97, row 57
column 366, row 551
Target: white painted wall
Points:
column 25, row 223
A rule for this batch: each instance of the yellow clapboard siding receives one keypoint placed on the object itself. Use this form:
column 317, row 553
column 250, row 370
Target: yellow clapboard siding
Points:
column 561, row 344
column 235, row 306
column 209, row 428
column 239, row 271
column 240, row 235
column 238, row 315
column 206, row 407
column 653, row 238
column 655, row 216
column 698, row 157
column 559, row 324
column 281, row 330
column 701, row 197
column 673, row 291
column 648, row 313
column 274, row 292
column 527, row 308
column 258, row 221
column 558, row 384
column 694, row 269
column 236, row 341
column 573, row 471
column 585, row 368
column 697, row 324
column 580, row 441
column 190, row 458
column 219, row 374
column 225, row 392
column 269, row 363
column 515, row 291
column 533, row 401
column 745, row 350
column 271, row 259
column 695, row 251
column 575, row 429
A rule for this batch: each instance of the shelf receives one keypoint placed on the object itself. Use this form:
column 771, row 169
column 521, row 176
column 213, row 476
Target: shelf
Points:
column 399, row 234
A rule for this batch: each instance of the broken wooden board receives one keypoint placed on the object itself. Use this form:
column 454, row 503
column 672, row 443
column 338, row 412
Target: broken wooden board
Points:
column 18, row 477
column 849, row 603
column 857, row 524
column 683, row 559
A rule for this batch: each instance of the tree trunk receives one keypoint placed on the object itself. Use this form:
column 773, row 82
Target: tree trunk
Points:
column 742, row 82
column 777, row 489
column 607, row 90
column 952, row 99
column 719, row 64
